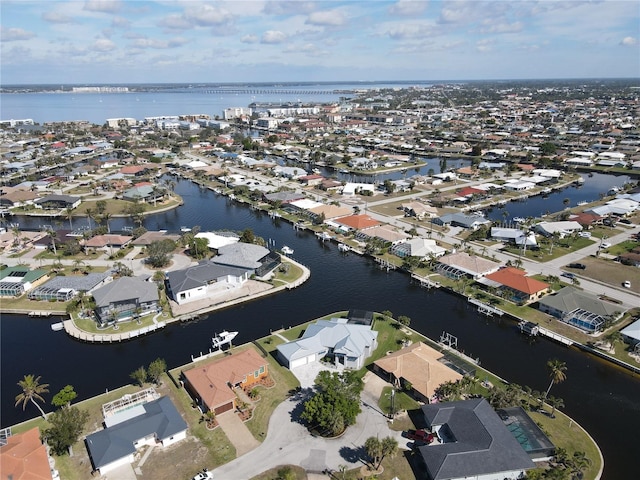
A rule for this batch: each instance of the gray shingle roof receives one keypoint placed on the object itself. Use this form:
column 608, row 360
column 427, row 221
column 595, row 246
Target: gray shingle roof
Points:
column 160, row 418
column 568, row 299
column 201, row 274
column 243, row 255
column 125, row 288
column 82, row 283
column 480, row 442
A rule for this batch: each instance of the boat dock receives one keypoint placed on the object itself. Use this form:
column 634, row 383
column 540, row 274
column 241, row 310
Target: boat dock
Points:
column 485, row 309
column 425, row 281
column 75, row 332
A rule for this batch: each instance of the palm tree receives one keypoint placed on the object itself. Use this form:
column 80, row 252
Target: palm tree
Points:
column 90, row 214
column 556, row 373
column 69, row 215
column 105, row 217
column 614, row 338
column 31, row 391
column 555, row 402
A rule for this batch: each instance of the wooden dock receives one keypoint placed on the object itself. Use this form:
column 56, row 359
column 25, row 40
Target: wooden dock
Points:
column 75, row 332
column 425, row 282
column 485, row 309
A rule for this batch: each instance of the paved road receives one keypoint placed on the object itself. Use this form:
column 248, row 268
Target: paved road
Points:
column 289, row 443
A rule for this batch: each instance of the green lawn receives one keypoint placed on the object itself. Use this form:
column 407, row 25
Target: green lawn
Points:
column 89, row 325
column 402, row 401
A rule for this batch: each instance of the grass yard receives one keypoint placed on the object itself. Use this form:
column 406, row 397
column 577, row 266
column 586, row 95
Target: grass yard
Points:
column 610, row 272
column 290, row 472
column 402, row 401
column 89, row 325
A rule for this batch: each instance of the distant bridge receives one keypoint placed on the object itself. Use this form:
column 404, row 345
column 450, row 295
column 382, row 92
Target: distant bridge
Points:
column 252, row 91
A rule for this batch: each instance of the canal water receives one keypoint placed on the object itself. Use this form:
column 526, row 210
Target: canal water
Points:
column 603, row 398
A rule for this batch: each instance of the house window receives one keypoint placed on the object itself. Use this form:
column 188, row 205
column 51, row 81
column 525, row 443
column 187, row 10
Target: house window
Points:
column 262, row 369
column 256, row 373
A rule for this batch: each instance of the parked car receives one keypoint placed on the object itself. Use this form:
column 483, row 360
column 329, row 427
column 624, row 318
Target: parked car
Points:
column 203, row 475
column 626, row 284
column 420, row 436
column 585, row 234
column 605, row 245
column 581, row 266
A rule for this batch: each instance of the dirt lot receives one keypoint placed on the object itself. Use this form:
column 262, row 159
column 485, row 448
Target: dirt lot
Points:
column 610, row 272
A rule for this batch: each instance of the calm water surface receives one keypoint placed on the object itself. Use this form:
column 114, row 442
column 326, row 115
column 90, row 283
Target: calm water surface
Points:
column 604, row 399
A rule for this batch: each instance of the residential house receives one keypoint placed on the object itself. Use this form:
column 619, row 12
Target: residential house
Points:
column 212, row 383
column 23, row 456
column 514, row 285
column 259, row 260
column 146, row 193
column 385, row 233
column 472, row 442
column 461, row 264
column 57, row 202
column 580, row 309
column 472, row 222
column 205, row 280
column 515, row 236
column 18, row 198
column 64, row 287
column 417, row 366
column 14, row 281
column 343, row 343
column 354, row 222
column 283, row 197
column 562, row 228
column 330, row 211
column 125, row 298
column 423, row 248
column 419, row 210
column 155, row 423
column 107, row 242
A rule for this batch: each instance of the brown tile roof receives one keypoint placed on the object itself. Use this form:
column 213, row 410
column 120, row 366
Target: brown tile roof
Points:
column 24, row 457
column 211, row 381
column 331, row 211
column 358, row 222
column 418, row 364
column 516, row 279
column 103, row 240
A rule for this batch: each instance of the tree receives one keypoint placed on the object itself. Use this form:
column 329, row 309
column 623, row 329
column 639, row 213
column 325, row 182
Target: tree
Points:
column 32, row 390
column 158, row 253
column 404, row 320
column 139, row 375
column 198, row 247
column 156, row 369
column 67, row 425
column 101, row 206
column 557, row 374
column 555, row 402
column 373, row 447
column 613, row 339
column 247, row 236
column 64, row 397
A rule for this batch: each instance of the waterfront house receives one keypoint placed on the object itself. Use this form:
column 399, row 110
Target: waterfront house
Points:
column 259, row 260
column 418, row 366
column 17, row 198
column 156, row 423
column 515, row 236
column 23, row 456
column 472, row 442
column 422, row 248
column 107, row 242
column 125, row 298
column 283, row 197
column 212, row 384
column 561, row 228
column 14, row 281
column 330, row 211
column 205, row 280
column 580, row 309
column 64, row 287
column 472, row 222
column 514, row 285
column 343, row 343
column 461, row 264
column 385, row 233
column 57, row 202
column 355, row 222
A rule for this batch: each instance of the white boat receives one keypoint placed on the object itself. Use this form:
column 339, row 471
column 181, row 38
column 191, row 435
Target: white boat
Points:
column 344, row 170
column 582, row 202
column 223, row 338
column 545, row 191
column 56, row 327
column 343, row 247
column 518, row 219
column 316, row 171
column 287, row 250
column 323, row 236
column 185, row 229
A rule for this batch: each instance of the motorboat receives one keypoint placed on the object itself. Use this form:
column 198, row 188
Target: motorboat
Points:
column 343, row 247
column 287, row 250
column 223, row 338
column 185, row 229
column 518, row 219
column 323, row 236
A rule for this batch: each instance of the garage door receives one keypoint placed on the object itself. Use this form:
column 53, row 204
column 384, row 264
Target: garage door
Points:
column 301, row 361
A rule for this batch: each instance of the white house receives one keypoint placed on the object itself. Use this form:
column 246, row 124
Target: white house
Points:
column 204, row 281
column 345, row 343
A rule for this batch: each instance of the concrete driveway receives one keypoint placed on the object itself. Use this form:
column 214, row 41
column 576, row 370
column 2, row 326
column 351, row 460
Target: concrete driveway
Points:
column 237, row 432
column 289, row 442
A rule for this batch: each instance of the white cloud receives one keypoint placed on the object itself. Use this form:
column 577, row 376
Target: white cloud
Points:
column 273, row 37
column 484, row 45
column 249, row 39
column 412, row 30
column 288, row 8
column 56, row 17
column 629, row 41
column 332, row 18
column 104, row 6
column 103, row 45
column 158, row 44
column 120, row 22
column 514, row 27
column 407, row 8
column 14, row 34
column 175, row 22
column 207, row 15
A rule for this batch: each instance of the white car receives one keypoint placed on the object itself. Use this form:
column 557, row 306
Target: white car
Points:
column 605, row 245
column 203, row 475
column 626, row 284
column 585, row 234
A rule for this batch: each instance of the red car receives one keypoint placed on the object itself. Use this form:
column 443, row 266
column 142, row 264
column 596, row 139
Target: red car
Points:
column 420, row 436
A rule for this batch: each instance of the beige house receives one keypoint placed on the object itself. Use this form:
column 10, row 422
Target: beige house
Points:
column 418, row 365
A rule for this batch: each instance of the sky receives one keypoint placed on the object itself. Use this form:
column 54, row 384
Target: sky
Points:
column 186, row 41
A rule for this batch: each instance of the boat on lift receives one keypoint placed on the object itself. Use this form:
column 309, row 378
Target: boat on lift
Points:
column 323, row 236
column 343, row 247
column 223, row 338
column 518, row 219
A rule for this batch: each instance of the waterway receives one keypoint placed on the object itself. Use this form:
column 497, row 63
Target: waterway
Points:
column 603, row 398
